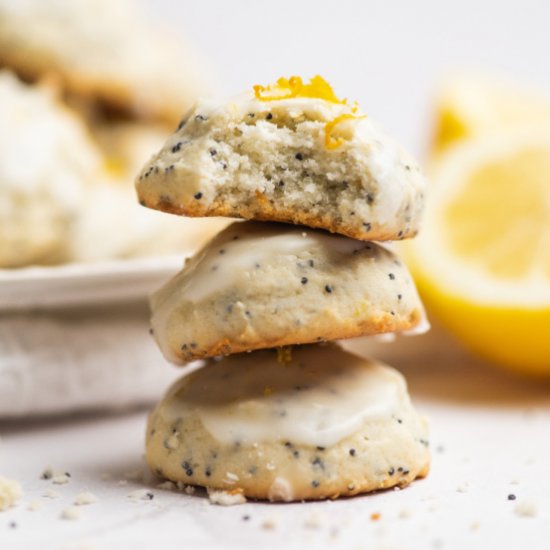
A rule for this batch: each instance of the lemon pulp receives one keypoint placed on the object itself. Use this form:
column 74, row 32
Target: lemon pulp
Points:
column 501, row 218
column 482, row 260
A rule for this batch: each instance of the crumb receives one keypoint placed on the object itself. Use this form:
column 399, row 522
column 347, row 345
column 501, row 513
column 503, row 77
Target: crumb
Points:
column 526, row 509
column 135, row 475
column 10, row 493
column 268, row 524
column 226, row 498
column 475, row 526
column 405, row 513
column 141, row 494
column 34, row 505
column 313, row 521
column 85, row 498
column 463, row 487
column 167, row 486
column 187, row 489
column 105, row 476
column 72, row 513
column 47, row 473
column 50, row 493
column 514, row 481
column 61, row 479
column 181, row 485
column 122, row 482
column 375, row 516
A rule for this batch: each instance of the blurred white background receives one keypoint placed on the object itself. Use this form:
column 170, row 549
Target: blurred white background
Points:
column 389, row 55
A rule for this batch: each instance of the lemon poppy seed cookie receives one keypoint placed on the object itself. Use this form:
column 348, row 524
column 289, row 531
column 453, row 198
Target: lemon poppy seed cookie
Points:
column 47, row 163
column 291, row 153
column 101, row 232
column 313, row 422
column 100, row 52
column 259, row 285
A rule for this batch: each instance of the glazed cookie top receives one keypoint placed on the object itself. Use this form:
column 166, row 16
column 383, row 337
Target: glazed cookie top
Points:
column 289, row 152
column 310, row 395
column 227, row 260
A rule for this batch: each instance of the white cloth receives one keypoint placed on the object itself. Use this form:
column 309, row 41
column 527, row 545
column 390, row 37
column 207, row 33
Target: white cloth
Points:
column 74, row 359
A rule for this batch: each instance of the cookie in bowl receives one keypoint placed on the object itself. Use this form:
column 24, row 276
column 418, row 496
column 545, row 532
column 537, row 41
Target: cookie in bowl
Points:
column 100, row 53
column 47, row 161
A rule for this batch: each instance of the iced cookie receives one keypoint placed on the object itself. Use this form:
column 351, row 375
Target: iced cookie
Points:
column 46, row 162
column 114, row 225
column 309, row 422
column 290, row 153
column 260, row 285
column 100, row 51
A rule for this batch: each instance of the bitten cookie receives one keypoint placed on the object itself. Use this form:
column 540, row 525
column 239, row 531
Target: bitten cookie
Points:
column 291, row 153
column 259, row 285
column 100, row 51
column 308, row 422
column 47, row 161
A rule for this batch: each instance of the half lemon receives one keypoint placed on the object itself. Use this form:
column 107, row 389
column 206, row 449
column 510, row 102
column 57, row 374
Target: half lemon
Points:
column 482, row 259
column 470, row 105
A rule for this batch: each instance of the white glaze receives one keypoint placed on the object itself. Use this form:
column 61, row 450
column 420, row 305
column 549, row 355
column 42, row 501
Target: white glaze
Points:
column 244, row 103
column 215, row 270
column 385, row 337
column 324, row 395
column 422, row 327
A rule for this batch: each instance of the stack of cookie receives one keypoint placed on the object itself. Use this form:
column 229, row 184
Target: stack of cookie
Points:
column 298, row 418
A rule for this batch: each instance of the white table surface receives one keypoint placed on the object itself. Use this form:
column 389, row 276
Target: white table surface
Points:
column 490, row 438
